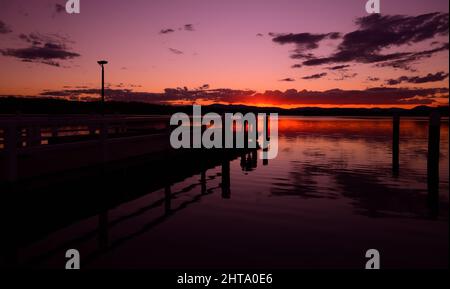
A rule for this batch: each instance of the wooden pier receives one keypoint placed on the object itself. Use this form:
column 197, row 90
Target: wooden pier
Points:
column 32, row 146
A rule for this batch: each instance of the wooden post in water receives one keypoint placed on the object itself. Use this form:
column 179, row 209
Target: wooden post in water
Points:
column 434, row 126
column 203, row 128
column 226, row 191
column 246, row 131
column 265, row 160
column 223, row 129
column 395, row 144
column 254, row 158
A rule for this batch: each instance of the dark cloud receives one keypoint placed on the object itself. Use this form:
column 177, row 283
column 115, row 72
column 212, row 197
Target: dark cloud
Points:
column 338, row 67
column 59, row 8
column 186, row 27
column 315, row 76
column 259, row 35
column 189, row 27
column 46, row 53
column 303, row 41
column 298, row 54
column 372, row 96
column 175, row 51
column 410, row 58
column 296, row 66
column 344, row 76
column 287, row 79
column 4, row 29
column 45, row 49
column 439, row 76
column 370, row 78
column 169, row 94
column 375, row 33
column 166, row 31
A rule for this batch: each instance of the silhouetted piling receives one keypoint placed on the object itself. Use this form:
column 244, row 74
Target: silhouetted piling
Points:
column 226, row 191
column 433, row 160
column 395, row 144
column 223, row 129
column 254, row 159
column 246, row 131
column 203, row 129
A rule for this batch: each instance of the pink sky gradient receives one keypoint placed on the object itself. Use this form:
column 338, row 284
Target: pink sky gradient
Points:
column 223, row 50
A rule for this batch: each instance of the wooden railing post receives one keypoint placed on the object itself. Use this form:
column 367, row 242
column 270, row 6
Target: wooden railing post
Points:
column 103, row 139
column 33, row 134
column 10, row 143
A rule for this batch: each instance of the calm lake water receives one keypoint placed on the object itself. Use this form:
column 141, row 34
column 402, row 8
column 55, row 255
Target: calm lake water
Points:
column 329, row 196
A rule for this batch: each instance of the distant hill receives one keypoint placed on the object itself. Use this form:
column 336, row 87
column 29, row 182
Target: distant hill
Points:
column 13, row 105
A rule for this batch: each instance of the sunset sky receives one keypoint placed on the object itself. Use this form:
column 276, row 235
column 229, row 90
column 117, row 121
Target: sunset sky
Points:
column 287, row 53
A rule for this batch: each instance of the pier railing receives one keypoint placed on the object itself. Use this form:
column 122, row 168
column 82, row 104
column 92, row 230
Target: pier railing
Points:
column 26, row 141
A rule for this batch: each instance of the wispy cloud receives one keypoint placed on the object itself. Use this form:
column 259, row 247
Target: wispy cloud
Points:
column 315, row 76
column 166, row 31
column 338, row 67
column 439, row 76
column 189, row 27
column 175, row 51
column 4, row 29
column 45, row 49
column 59, row 8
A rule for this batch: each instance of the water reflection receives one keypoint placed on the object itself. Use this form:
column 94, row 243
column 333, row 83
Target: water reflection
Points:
column 332, row 178
column 338, row 160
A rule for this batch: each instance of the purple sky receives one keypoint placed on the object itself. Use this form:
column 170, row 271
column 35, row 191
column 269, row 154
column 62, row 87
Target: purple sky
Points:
column 225, row 44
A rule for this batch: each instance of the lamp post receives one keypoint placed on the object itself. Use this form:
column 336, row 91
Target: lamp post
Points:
column 102, row 63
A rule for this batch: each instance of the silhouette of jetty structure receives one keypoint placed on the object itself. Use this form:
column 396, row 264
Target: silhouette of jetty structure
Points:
column 93, row 192
column 36, row 146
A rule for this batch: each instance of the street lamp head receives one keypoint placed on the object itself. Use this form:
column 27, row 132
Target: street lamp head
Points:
column 102, row 62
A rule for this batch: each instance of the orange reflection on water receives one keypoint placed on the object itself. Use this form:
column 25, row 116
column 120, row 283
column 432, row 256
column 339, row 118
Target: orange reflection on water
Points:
column 409, row 127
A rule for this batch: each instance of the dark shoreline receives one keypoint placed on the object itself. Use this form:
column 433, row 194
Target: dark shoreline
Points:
column 13, row 105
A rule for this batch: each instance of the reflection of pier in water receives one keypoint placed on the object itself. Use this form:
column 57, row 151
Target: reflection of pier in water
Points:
column 140, row 177
column 96, row 191
column 93, row 160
